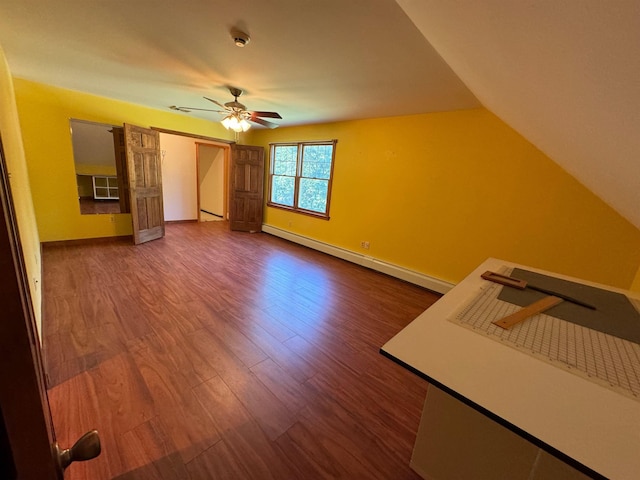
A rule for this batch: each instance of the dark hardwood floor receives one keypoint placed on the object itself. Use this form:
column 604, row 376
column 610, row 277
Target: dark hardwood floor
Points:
column 90, row 206
column 211, row 354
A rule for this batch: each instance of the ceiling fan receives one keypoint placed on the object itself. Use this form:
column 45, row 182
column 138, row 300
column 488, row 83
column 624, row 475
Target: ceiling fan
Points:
column 237, row 117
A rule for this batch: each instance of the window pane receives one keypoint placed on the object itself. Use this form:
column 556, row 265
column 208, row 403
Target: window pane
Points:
column 284, row 159
column 282, row 190
column 316, row 161
column 313, row 195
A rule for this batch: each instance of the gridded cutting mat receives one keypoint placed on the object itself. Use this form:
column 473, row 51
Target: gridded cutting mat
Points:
column 602, row 358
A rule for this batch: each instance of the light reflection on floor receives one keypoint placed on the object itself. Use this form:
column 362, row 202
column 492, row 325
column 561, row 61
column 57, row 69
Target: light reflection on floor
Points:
column 306, row 287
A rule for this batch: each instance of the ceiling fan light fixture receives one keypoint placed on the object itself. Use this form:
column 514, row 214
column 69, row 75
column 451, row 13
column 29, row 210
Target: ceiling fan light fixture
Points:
column 237, row 117
column 244, row 125
column 226, row 122
column 233, row 122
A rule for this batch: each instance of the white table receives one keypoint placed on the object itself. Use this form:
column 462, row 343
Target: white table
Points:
column 497, row 411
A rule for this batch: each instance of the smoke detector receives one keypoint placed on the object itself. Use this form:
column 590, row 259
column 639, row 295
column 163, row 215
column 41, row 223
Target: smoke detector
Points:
column 240, row 38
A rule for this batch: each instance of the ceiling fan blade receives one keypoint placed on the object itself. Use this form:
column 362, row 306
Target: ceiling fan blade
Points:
column 215, row 101
column 179, row 109
column 263, row 122
column 265, row 114
column 188, row 109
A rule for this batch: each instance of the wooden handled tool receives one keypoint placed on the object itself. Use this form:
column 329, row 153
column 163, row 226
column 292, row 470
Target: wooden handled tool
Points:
column 522, row 284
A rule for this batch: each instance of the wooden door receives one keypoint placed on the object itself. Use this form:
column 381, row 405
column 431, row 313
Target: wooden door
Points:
column 26, row 429
column 145, row 183
column 28, row 447
column 246, row 188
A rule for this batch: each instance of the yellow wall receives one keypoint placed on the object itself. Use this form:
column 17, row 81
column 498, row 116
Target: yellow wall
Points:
column 84, row 169
column 20, row 187
column 439, row 193
column 44, row 118
column 635, row 286
column 435, row 193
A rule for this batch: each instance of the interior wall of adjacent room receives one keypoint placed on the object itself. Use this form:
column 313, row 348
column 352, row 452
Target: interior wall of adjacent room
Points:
column 179, row 192
column 211, row 179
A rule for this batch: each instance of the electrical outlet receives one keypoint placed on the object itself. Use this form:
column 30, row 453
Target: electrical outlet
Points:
column 365, row 244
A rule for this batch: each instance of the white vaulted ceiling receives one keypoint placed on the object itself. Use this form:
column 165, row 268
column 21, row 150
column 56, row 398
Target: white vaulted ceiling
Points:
column 310, row 60
column 565, row 74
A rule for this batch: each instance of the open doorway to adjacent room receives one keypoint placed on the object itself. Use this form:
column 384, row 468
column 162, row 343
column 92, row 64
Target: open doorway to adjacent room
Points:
column 195, row 176
column 212, row 185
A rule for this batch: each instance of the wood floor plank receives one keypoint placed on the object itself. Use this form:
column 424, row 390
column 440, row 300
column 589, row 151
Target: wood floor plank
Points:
column 349, row 441
column 218, row 354
column 225, row 409
column 264, row 406
column 132, row 317
column 67, row 356
column 319, row 355
column 278, row 330
column 65, row 311
column 201, row 366
column 249, row 454
column 308, row 455
column 147, row 452
column 187, row 424
column 217, row 462
column 241, row 346
column 293, row 363
column 399, row 382
column 177, row 356
column 76, row 410
column 387, row 421
column 122, row 394
column 293, row 394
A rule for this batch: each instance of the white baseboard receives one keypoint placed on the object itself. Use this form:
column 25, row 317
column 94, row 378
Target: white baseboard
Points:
column 431, row 283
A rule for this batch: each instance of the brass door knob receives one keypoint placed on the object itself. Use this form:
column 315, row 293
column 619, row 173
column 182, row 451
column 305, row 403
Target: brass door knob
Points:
column 86, row 448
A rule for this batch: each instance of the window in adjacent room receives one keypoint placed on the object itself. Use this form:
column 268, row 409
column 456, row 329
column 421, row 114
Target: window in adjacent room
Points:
column 300, row 176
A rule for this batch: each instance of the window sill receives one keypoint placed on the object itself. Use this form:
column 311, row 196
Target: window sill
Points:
column 310, row 213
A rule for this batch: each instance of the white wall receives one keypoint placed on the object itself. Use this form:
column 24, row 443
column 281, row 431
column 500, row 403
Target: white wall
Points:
column 211, row 177
column 179, row 179
column 180, row 176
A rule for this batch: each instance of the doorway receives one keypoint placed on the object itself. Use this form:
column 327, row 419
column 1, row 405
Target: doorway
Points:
column 212, row 168
column 181, row 182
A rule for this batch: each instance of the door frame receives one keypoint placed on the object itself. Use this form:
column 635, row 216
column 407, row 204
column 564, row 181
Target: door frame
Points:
column 218, row 142
column 24, row 403
column 226, row 148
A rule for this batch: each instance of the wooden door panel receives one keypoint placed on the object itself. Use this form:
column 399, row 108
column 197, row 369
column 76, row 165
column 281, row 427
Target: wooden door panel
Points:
column 145, row 183
column 244, row 181
column 247, row 181
column 27, row 426
column 150, row 220
column 248, row 208
column 120, row 148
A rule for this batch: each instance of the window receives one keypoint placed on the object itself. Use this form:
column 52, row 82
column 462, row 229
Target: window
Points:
column 300, row 176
